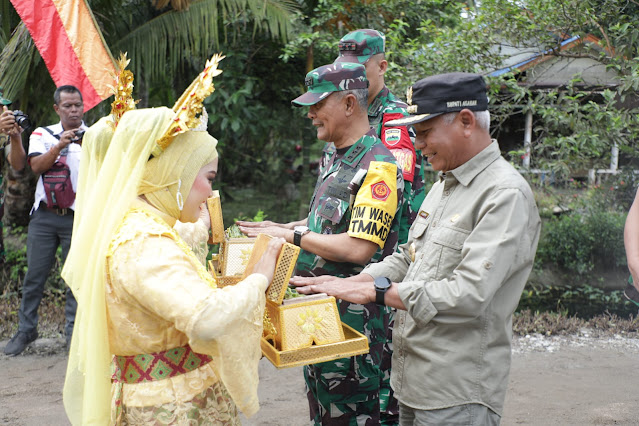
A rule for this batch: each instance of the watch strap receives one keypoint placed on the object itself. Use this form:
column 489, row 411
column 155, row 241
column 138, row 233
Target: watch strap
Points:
column 381, row 289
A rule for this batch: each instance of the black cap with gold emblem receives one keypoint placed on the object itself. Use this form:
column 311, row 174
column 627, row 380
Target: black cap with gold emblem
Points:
column 443, row 93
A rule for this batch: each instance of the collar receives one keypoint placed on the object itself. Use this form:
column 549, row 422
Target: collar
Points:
column 377, row 105
column 57, row 128
column 471, row 168
column 139, row 203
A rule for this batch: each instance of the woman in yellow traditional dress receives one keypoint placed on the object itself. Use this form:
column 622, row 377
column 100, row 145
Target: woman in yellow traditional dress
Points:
column 155, row 341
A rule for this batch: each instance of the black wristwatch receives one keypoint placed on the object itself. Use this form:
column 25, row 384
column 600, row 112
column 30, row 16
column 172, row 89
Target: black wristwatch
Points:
column 298, row 232
column 382, row 284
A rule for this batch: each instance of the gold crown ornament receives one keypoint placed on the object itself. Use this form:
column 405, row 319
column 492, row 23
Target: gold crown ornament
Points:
column 123, row 90
column 189, row 105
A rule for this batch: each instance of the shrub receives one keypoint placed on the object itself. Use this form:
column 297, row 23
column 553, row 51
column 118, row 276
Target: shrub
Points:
column 582, row 241
column 582, row 301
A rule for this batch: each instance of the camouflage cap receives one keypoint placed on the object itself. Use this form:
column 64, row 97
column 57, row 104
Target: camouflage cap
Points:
column 358, row 46
column 3, row 100
column 326, row 79
column 443, row 93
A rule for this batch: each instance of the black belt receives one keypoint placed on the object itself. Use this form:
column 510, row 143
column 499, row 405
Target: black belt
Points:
column 58, row 211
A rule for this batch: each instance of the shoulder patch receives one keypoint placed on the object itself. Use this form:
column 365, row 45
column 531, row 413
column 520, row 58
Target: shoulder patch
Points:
column 380, row 191
column 398, row 141
column 376, row 204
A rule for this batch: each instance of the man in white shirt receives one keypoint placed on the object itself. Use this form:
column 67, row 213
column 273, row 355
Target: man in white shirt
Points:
column 54, row 152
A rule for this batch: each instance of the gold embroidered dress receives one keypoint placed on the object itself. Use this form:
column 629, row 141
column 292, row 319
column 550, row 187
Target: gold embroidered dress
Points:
column 140, row 289
column 159, row 297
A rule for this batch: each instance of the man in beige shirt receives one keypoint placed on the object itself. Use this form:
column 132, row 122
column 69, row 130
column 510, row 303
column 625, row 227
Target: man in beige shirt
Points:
column 458, row 279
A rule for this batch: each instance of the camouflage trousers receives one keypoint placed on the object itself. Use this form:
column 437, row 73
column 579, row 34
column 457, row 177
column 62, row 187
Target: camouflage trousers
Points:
column 356, row 391
column 2, row 252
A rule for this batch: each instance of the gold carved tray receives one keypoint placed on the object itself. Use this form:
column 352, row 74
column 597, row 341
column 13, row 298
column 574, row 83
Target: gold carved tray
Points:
column 221, row 280
column 354, row 344
column 302, row 330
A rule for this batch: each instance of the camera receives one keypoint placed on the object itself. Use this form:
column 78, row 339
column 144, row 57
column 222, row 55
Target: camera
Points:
column 22, row 119
column 79, row 134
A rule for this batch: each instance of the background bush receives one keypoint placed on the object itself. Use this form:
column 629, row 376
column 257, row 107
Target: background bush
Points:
column 580, row 242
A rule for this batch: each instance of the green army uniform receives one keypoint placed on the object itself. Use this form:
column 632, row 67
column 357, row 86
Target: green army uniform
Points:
column 400, row 141
column 358, row 47
column 359, row 191
column 347, row 390
column 4, row 142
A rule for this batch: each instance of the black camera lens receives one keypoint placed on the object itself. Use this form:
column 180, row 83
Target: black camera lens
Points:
column 79, row 134
column 22, row 119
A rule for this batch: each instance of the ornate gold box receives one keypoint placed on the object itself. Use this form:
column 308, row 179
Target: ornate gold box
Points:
column 302, row 330
column 234, row 253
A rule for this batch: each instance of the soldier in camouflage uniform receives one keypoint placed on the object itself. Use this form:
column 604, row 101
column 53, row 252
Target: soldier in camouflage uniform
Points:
column 366, row 47
column 351, row 222
column 12, row 149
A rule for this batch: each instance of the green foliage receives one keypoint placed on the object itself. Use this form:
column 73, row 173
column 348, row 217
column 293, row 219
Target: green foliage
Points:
column 615, row 192
column 165, row 46
column 579, row 242
column 575, row 126
column 14, row 268
column 251, row 114
column 582, row 301
column 15, row 264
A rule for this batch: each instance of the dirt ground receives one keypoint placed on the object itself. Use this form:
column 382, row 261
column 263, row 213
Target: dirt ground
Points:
column 574, row 380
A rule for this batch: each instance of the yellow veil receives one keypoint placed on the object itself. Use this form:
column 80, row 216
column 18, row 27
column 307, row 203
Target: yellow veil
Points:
column 87, row 387
column 116, row 183
column 107, row 190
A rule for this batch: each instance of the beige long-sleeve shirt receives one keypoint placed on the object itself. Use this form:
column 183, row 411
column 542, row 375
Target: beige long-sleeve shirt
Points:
column 475, row 239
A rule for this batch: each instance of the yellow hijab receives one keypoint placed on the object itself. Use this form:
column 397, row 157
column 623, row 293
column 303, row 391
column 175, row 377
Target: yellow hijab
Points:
column 106, row 195
column 176, row 168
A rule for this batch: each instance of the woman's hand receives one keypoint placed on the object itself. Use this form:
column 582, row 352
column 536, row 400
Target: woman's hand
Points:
column 266, row 264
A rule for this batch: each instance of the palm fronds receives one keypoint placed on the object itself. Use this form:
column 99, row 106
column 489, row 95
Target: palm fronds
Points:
column 161, row 44
column 15, row 60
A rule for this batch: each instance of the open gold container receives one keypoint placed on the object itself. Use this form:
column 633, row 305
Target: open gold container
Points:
column 302, row 330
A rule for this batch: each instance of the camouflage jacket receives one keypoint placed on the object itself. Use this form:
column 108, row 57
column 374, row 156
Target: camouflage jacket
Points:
column 400, row 141
column 359, row 192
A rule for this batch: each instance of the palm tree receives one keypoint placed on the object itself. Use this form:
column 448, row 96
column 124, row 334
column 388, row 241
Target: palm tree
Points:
column 168, row 41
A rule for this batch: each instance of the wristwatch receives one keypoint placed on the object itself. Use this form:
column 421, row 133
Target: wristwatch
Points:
column 382, row 284
column 298, row 231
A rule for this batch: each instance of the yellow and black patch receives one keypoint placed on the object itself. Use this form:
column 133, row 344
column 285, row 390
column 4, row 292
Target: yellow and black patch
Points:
column 375, row 204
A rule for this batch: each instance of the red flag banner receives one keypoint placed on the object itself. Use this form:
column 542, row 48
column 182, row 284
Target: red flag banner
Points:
column 69, row 41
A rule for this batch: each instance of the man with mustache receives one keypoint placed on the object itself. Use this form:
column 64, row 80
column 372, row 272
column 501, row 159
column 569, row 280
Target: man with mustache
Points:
column 54, row 156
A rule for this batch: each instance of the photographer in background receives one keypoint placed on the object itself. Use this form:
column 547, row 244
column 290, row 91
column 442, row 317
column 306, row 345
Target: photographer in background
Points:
column 12, row 150
column 54, row 155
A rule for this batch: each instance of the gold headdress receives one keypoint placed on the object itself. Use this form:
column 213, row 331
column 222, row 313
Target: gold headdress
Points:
column 123, row 90
column 189, row 105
